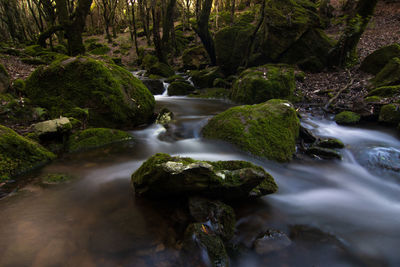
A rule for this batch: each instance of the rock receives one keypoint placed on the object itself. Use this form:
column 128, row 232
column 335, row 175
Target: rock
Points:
column 176, row 78
column 312, row 234
column 389, row 75
column 375, row 62
column 205, row 78
column 4, row 79
column 231, row 44
column 161, row 69
column 271, row 241
column 259, row 84
column 306, row 135
column 165, row 116
column 165, row 176
column 325, row 153
column 180, row 88
column 330, row 143
column 215, row 93
column 268, row 129
column 347, row 118
column 195, row 58
column 16, row 110
column 96, row 137
column 60, row 126
column 390, row 114
column 156, row 87
column 33, row 50
column 19, row 154
column 202, row 246
column 385, row 91
column 114, row 97
column 98, row 49
column 219, row 217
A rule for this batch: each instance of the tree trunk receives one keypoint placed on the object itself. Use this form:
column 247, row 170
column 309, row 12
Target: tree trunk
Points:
column 233, row 11
column 203, row 32
column 143, row 17
column 155, row 11
column 345, row 51
column 168, row 24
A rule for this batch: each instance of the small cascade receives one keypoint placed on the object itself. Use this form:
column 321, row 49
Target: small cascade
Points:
column 166, row 85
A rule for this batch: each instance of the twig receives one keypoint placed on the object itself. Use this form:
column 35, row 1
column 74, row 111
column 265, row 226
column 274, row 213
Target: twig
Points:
column 325, row 108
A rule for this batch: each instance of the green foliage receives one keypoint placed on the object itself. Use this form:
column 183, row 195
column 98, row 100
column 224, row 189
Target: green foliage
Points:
column 33, row 50
column 96, row 137
column 19, row 154
column 269, row 129
column 347, row 118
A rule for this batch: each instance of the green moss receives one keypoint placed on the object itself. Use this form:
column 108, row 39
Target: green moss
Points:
column 61, row 49
column 259, row 84
column 376, row 61
column 175, row 78
column 269, row 129
column 161, row 69
column 347, row 118
column 148, row 61
column 371, row 99
column 114, row 97
column 330, row 143
column 214, row 93
column 33, row 61
column 49, row 57
column 19, row 154
column 205, row 78
column 18, row 86
column 33, row 50
column 389, row 75
column 385, row 91
column 15, row 110
column 180, row 88
column 98, row 49
column 390, row 114
column 96, row 137
column 195, row 57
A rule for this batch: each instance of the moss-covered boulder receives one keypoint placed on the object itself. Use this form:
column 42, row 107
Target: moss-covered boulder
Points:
column 212, row 93
column 231, row 44
column 164, row 176
column 96, row 137
column 259, row 84
column 19, row 154
column 4, row 79
column 375, row 62
column 205, row 78
column 33, row 50
column 385, row 91
column 180, row 88
column 330, row 143
column 114, row 97
column 390, row 114
column 155, row 86
column 268, row 129
column 98, row 49
column 389, row 75
column 161, row 69
column 195, row 58
column 347, row 118
column 323, row 152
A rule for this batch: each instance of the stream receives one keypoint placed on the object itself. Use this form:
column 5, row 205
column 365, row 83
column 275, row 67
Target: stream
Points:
column 95, row 220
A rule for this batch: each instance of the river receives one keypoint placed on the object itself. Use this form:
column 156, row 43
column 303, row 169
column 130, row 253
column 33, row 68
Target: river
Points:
column 95, row 220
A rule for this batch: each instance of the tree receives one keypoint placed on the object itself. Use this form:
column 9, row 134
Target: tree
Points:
column 108, row 8
column 202, row 30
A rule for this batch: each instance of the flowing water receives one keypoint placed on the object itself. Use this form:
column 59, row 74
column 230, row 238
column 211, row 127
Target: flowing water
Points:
column 95, row 220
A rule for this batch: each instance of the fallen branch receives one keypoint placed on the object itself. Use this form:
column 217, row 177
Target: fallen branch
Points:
column 350, row 83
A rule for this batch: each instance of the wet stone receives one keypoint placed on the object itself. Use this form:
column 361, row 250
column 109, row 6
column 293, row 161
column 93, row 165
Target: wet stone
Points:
column 271, row 241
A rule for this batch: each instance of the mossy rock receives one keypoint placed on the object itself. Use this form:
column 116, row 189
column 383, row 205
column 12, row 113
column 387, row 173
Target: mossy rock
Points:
column 212, row 93
column 18, row 87
column 61, row 126
column 286, row 21
column 231, row 44
column 259, row 84
column 15, row 110
column 19, row 154
column 148, row 61
column 376, row 61
column 114, row 97
column 180, row 88
column 268, row 129
column 164, row 176
column 390, row 114
column 161, row 69
column 175, row 78
column 347, row 118
column 385, row 91
column 49, row 57
column 98, row 49
column 330, row 143
column 4, row 79
column 322, row 152
column 194, row 58
column 33, row 61
column 96, row 137
column 155, row 86
column 33, row 50
column 205, row 78
column 389, row 75
column 372, row 99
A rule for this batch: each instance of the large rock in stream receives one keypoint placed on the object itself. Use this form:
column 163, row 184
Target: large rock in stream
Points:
column 114, row 97
column 268, row 129
column 163, row 176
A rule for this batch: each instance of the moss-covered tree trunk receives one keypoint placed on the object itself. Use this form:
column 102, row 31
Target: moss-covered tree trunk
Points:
column 156, row 14
column 168, row 24
column 345, row 51
column 203, row 31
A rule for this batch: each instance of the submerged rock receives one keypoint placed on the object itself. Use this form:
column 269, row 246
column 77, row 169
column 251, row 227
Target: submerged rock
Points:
column 113, row 95
column 259, row 84
column 163, row 175
column 19, row 154
column 325, row 153
column 268, row 129
column 271, row 241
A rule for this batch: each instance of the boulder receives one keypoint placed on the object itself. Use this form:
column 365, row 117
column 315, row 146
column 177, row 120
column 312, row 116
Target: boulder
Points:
column 271, row 241
column 259, row 84
column 347, row 118
column 161, row 69
column 389, row 75
column 205, row 78
column 165, row 116
column 194, row 58
column 164, row 176
column 268, row 129
column 322, row 152
column 4, row 79
column 375, row 62
column 180, row 88
column 19, row 154
column 330, row 143
column 156, row 87
column 231, row 44
column 385, row 91
column 114, row 97
column 96, row 137
column 390, row 114
column 61, row 125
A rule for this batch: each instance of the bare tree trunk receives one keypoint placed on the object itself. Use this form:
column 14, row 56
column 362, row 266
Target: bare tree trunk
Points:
column 168, row 24
column 203, row 31
column 156, row 14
